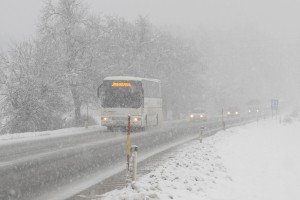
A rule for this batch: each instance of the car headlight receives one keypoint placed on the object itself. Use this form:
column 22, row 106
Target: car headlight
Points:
column 201, row 116
column 249, row 111
column 236, row 113
column 228, row 113
column 257, row 110
column 191, row 116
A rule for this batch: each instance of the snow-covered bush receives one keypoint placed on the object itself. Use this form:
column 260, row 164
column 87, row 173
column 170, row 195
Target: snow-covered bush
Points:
column 295, row 113
column 287, row 120
column 68, row 122
column 32, row 100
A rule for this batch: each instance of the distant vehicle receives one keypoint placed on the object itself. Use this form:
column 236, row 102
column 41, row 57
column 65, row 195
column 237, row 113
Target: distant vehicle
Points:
column 253, row 110
column 254, row 107
column 233, row 112
column 198, row 115
column 122, row 96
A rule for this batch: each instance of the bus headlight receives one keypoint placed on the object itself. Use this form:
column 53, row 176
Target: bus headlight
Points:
column 201, row 116
column 104, row 118
column 228, row 113
column 191, row 116
column 236, row 113
column 136, row 119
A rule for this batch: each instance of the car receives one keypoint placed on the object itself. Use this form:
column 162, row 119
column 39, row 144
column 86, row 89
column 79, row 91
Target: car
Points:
column 253, row 107
column 198, row 115
column 233, row 112
column 252, row 111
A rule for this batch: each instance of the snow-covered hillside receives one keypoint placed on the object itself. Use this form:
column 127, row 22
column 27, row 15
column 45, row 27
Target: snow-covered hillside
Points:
column 258, row 161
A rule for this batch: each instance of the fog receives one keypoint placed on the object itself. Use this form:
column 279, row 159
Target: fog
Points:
column 78, row 77
column 250, row 46
column 279, row 18
column 235, row 50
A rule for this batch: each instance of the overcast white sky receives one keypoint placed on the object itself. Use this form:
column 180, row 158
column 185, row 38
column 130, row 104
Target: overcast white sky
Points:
column 18, row 18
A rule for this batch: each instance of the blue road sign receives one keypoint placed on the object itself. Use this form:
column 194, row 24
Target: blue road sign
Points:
column 274, row 104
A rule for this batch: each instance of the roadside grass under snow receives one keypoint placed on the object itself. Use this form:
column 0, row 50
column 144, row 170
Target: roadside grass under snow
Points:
column 258, row 161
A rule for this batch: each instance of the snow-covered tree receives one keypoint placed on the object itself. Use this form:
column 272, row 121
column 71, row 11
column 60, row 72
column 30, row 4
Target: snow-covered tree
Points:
column 31, row 99
column 72, row 53
column 65, row 28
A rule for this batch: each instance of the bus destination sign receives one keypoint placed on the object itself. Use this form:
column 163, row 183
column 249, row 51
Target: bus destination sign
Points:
column 121, row 84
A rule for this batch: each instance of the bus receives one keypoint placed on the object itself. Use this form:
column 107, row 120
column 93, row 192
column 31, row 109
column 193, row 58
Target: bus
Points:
column 122, row 96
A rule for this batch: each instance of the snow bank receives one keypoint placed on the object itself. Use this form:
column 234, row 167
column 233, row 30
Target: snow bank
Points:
column 187, row 176
column 256, row 161
column 16, row 137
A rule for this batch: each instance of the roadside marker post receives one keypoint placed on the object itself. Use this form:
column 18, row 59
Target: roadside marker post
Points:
column 128, row 142
column 274, row 107
column 280, row 120
column 201, row 133
column 134, row 150
column 131, row 156
column 223, row 122
column 86, row 122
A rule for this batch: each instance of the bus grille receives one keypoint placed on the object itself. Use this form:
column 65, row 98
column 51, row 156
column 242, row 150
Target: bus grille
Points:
column 120, row 118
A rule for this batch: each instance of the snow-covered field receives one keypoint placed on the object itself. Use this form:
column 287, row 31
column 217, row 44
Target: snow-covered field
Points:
column 258, row 161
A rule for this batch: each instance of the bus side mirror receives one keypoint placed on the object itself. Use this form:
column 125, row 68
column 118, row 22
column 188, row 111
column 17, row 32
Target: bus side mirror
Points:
column 100, row 92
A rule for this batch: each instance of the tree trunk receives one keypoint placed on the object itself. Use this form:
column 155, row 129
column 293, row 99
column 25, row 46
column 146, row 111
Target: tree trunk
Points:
column 77, row 107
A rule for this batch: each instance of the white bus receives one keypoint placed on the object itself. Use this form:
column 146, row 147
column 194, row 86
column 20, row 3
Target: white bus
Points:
column 138, row 97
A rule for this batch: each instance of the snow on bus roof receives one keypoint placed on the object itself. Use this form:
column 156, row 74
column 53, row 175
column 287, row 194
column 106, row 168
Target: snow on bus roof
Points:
column 129, row 78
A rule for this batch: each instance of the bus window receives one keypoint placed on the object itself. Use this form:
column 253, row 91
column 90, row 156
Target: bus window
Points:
column 119, row 95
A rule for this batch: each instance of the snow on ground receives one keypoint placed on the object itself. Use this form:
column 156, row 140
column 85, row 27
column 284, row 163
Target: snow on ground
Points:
column 17, row 137
column 258, row 161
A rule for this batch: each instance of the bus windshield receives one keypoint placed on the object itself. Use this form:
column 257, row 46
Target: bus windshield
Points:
column 122, row 94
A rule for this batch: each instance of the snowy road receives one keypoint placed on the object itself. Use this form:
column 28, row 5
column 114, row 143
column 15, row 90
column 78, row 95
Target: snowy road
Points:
column 59, row 166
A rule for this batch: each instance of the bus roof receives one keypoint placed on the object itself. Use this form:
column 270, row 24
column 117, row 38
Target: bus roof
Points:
column 129, row 78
